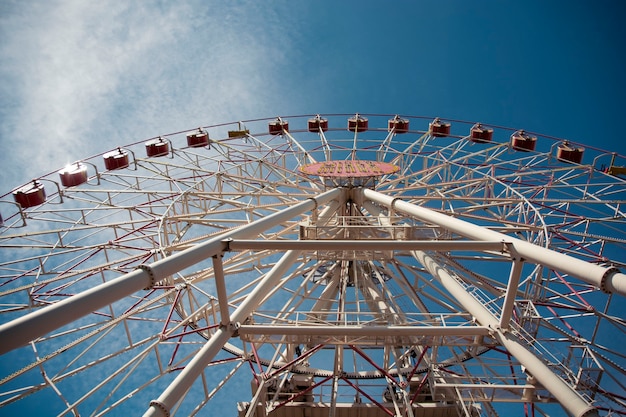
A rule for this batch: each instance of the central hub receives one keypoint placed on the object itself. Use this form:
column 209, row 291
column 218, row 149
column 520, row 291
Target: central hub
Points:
column 349, row 172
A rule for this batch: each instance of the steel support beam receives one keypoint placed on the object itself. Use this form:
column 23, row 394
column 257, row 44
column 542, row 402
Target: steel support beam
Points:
column 511, row 291
column 608, row 279
column 356, row 331
column 177, row 388
column 565, row 395
column 22, row 330
column 406, row 245
column 220, row 287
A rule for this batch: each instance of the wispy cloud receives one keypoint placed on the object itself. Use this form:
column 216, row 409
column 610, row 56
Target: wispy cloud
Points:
column 83, row 77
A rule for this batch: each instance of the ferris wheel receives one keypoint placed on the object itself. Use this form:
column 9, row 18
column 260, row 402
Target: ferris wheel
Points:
column 334, row 265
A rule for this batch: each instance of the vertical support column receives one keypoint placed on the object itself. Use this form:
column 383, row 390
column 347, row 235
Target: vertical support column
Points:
column 220, row 286
column 338, row 370
column 511, row 290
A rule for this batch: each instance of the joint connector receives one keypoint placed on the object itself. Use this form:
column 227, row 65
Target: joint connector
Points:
column 233, row 328
column 226, row 243
column 150, row 271
column 160, row 406
column 608, row 273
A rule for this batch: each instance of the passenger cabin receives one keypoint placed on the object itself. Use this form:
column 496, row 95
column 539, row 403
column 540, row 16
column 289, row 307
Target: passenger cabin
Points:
column 157, row 147
column 439, row 129
column 73, row 175
column 522, row 141
column 357, row 124
column 198, row 139
column 481, row 134
column 238, row 133
column 30, row 195
column 278, row 126
column 318, row 123
column 568, row 153
column 116, row 159
column 398, row 125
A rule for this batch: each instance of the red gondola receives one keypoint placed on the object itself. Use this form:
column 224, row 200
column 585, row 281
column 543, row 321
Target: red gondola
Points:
column 116, row 159
column 481, row 134
column 278, row 126
column 318, row 123
column 157, row 147
column 439, row 129
column 357, row 124
column 398, row 125
column 567, row 153
column 30, row 195
column 198, row 139
column 73, row 175
column 522, row 141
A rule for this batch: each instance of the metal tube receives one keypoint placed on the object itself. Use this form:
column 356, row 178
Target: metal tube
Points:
column 359, row 330
column 220, row 287
column 471, row 305
column 311, row 245
column 177, row 389
column 511, row 291
column 328, row 213
column 22, row 330
column 607, row 279
column 565, row 395
column 181, row 260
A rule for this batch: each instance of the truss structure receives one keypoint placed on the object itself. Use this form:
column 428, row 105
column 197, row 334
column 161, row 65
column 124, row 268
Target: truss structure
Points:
column 348, row 265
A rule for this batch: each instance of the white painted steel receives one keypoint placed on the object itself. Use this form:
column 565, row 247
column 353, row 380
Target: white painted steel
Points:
column 220, row 288
column 565, row 394
column 312, row 245
column 364, row 330
column 608, row 279
column 177, row 389
column 163, row 208
column 511, row 291
column 20, row 331
column 26, row 328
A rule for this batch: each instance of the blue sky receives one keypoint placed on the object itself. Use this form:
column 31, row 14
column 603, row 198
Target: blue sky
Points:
column 79, row 78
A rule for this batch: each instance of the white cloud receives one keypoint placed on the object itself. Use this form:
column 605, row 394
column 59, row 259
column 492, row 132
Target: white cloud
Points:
column 84, row 77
